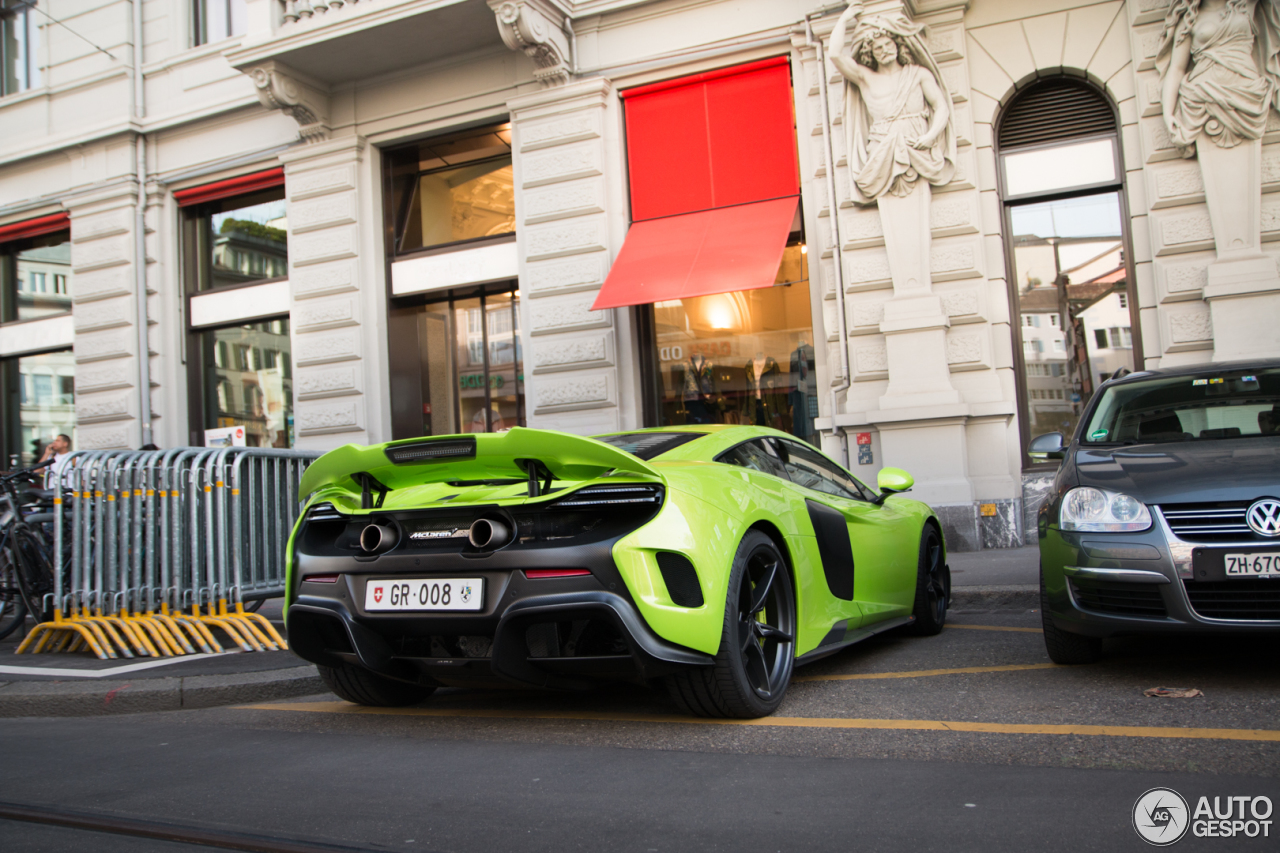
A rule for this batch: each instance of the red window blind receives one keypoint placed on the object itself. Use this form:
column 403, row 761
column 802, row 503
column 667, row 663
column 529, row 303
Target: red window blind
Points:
column 232, row 186
column 712, row 140
column 35, row 227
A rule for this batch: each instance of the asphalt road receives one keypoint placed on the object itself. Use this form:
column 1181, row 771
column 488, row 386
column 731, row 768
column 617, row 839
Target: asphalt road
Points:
column 966, row 741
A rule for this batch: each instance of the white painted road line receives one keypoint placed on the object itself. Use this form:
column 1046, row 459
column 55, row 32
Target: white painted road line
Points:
column 125, row 669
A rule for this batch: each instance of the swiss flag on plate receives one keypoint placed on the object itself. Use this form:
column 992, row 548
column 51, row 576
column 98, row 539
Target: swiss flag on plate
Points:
column 377, row 594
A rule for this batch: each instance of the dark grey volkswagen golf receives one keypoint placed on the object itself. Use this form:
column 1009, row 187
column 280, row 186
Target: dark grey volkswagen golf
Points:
column 1165, row 514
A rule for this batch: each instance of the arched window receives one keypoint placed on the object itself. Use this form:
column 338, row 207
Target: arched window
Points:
column 1066, row 228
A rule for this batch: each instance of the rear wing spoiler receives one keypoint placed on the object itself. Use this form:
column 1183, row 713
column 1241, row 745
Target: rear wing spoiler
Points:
column 535, row 455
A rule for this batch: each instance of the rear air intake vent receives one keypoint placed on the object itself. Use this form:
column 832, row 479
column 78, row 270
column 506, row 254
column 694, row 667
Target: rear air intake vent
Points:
column 1055, row 111
column 460, row 448
column 681, row 579
column 625, row 493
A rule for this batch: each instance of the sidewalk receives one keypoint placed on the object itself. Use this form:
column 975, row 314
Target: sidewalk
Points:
column 995, row 579
column 81, row 685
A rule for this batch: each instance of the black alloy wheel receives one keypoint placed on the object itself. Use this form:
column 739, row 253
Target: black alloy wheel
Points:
column 757, row 646
column 933, row 585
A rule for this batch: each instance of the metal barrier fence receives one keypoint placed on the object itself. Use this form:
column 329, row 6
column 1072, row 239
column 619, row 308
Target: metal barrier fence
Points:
column 156, row 549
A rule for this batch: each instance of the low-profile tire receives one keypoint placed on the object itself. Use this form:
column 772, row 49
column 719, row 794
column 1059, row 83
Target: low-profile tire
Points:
column 1065, row 647
column 933, row 586
column 368, row 688
column 753, row 666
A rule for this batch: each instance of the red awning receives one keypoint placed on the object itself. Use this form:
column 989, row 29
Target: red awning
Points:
column 232, row 186
column 698, row 254
column 35, row 227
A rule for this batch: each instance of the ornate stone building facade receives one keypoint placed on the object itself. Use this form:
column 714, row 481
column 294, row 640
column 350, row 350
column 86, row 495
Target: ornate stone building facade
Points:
column 992, row 217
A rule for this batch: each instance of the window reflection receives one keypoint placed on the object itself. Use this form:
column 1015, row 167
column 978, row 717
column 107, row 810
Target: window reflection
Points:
column 1072, row 297
column 41, row 276
column 46, row 401
column 249, row 381
column 249, row 243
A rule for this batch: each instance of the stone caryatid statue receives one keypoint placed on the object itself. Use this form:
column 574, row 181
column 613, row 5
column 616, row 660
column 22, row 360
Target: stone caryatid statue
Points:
column 1219, row 62
column 898, row 130
column 900, row 141
column 897, row 114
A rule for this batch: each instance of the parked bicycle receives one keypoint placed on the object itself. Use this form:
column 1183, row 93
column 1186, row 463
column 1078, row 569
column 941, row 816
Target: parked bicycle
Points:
column 26, row 554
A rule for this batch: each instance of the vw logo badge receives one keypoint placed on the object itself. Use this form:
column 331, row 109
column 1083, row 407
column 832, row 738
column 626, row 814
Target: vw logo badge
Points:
column 1264, row 517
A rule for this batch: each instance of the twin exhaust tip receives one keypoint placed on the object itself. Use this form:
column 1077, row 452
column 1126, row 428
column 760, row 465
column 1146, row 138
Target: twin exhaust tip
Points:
column 486, row 534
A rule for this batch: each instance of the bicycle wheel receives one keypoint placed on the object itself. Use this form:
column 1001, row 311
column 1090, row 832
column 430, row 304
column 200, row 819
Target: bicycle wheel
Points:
column 13, row 610
column 35, row 571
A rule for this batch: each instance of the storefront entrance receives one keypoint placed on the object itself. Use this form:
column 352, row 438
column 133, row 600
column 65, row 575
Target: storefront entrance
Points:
column 456, row 364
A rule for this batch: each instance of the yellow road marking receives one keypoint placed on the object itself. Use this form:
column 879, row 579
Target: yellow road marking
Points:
column 788, row 722
column 924, row 673
column 996, row 628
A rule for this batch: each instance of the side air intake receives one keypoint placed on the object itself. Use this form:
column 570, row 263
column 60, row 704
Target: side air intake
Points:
column 681, row 579
column 457, row 448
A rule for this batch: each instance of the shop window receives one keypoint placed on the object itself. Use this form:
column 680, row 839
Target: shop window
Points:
column 236, row 240
column 35, row 276
column 451, row 189
column 457, row 364
column 743, row 357
column 1066, row 235
column 39, row 403
column 215, row 20
column 19, row 47
column 241, row 376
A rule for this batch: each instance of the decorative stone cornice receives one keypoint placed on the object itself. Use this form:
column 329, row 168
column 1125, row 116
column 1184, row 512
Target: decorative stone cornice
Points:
column 306, row 102
column 533, row 26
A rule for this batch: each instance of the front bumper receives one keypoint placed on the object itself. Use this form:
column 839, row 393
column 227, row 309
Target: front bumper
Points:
column 1114, row 584
column 549, row 632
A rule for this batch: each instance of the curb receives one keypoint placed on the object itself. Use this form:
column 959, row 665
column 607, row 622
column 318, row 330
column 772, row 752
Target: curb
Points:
column 121, row 696
column 1011, row 597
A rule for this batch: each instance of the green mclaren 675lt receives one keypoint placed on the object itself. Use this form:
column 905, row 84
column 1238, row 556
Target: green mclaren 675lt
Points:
column 713, row 559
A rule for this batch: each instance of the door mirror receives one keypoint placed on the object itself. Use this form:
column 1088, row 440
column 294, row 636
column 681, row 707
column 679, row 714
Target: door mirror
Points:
column 894, row 480
column 1051, row 445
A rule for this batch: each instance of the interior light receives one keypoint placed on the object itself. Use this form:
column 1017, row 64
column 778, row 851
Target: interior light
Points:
column 804, row 249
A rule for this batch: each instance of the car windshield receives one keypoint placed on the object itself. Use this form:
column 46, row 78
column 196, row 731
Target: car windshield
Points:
column 1229, row 404
column 647, row 445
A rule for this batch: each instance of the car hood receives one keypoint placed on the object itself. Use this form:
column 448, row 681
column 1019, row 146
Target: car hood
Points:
column 1186, row 472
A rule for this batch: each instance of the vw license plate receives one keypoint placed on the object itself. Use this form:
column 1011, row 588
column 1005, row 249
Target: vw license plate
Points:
column 425, row 594
column 1252, row 565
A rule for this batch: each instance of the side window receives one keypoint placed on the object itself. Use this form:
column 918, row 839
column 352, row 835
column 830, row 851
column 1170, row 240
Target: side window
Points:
column 814, row 471
column 756, row 455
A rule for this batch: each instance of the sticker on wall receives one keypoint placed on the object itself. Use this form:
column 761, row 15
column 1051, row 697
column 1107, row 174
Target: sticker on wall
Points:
column 863, row 437
column 864, row 454
column 987, row 510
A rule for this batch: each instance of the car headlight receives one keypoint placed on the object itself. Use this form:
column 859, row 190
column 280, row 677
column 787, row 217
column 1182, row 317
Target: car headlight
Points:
column 1099, row 510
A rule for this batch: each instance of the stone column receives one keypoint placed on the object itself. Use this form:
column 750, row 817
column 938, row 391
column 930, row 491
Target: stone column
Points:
column 337, row 299
column 571, row 221
column 104, row 290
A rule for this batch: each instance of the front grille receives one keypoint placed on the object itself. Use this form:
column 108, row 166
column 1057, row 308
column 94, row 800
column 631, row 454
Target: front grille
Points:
column 1247, row 598
column 1209, row 522
column 1120, row 599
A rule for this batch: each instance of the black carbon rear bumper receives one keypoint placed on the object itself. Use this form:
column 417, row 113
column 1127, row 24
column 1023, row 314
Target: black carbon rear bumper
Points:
column 324, row 631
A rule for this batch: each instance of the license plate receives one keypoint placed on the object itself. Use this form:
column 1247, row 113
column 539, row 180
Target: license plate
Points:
column 425, row 594
column 1252, row 565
